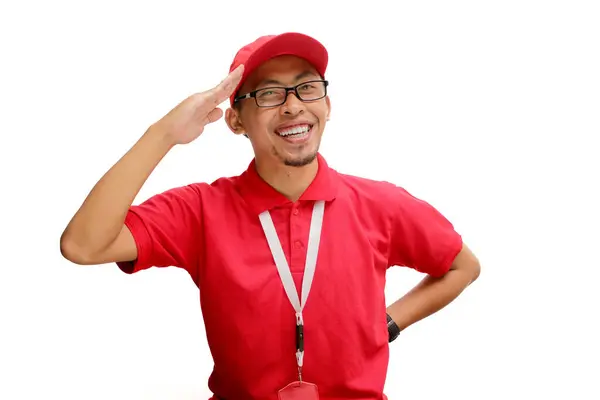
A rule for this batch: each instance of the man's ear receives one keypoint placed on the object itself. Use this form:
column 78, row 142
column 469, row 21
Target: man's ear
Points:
column 234, row 122
column 328, row 102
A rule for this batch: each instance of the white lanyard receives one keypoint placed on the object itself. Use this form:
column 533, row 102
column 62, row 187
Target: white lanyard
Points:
column 285, row 274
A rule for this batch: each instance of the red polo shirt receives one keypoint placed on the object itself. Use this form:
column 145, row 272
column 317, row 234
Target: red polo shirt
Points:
column 213, row 232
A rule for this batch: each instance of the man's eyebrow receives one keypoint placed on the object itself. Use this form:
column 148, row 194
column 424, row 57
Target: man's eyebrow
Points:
column 275, row 82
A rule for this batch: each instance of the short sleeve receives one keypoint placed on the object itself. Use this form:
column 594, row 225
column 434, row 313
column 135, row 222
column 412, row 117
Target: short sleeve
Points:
column 167, row 229
column 421, row 237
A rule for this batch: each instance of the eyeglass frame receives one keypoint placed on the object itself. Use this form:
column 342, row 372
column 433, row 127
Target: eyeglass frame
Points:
column 294, row 89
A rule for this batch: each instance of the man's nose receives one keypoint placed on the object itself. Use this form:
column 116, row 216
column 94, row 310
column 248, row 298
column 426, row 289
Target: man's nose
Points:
column 292, row 105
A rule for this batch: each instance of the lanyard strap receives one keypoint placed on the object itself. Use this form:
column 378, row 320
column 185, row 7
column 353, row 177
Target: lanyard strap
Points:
column 285, row 274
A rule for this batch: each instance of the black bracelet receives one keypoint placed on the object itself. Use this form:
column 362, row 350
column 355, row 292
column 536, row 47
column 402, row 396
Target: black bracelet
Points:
column 393, row 329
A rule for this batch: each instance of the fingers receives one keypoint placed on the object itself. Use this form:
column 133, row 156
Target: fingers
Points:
column 231, row 81
column 206, row 103
column 223, row 90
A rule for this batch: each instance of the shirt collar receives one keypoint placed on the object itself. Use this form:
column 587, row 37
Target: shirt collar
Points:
column 261, row 196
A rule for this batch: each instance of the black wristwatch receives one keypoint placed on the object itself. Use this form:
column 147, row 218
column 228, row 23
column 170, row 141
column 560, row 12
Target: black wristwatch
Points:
column 393, row 330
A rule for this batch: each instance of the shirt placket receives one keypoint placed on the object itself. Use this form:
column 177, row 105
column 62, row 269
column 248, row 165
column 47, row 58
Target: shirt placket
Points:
column 297, row 243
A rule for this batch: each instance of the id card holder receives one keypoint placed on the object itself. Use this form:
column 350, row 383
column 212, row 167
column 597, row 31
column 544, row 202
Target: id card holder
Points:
column 299, row 390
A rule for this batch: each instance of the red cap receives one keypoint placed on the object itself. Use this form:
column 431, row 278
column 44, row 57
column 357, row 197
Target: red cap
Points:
column 266, row 47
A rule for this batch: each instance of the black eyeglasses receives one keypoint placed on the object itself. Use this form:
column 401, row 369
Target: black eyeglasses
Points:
column 277, row 95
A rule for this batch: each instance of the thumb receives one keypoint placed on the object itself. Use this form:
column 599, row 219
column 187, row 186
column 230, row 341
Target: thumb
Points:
column 214, row 115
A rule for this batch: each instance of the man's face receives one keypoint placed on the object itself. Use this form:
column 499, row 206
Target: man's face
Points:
column 289, row 133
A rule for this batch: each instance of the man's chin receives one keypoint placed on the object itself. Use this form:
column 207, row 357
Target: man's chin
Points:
column 300, row 161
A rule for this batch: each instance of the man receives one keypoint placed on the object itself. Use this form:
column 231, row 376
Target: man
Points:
column 290, row 256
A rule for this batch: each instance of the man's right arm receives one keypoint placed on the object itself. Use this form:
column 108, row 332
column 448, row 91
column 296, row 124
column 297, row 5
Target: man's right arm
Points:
column 97, row 234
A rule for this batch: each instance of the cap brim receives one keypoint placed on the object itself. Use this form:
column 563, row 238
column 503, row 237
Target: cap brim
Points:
column 292, row 43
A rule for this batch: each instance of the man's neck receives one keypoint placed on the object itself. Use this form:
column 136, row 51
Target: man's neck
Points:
column 287, row 180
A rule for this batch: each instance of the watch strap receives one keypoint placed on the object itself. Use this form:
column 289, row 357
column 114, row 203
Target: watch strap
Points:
column 393, row 329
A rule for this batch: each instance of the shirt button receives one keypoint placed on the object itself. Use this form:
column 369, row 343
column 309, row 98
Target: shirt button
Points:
column 296, row 212
column 298, row 244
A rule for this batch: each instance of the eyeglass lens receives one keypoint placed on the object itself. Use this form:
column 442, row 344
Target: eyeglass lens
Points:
column 306, row 91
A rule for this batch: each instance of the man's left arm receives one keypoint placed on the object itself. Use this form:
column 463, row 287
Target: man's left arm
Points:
column 434, row 293
column 425, row 240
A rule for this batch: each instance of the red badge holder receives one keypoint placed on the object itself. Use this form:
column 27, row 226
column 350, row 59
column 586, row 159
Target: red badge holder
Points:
column 299, row 390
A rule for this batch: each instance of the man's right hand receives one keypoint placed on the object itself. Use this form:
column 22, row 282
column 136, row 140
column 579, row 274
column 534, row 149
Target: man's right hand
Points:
column 187, row 120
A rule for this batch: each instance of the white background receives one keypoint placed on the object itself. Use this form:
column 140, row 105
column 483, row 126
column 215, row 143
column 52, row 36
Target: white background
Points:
column 488, row 110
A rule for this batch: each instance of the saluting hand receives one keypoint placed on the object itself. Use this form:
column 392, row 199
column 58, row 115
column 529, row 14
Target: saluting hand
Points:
column 187, row 120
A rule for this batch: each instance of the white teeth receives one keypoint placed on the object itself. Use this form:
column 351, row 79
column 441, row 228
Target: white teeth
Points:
column 294, row 131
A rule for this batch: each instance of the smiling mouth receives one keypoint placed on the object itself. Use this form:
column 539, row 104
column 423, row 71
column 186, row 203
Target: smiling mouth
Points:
column 295, row 132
